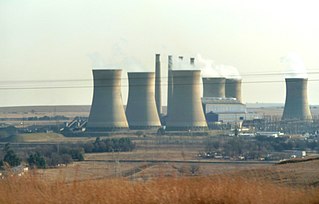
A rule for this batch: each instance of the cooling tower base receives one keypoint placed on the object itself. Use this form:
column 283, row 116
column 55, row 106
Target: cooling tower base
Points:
column 110, row 129
column 144, row 127
column 186, row 128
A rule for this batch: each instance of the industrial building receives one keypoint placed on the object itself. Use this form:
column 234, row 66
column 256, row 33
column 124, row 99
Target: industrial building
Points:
column 222, row 100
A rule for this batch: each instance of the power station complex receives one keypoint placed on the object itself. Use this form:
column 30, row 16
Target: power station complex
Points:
column 190, row 106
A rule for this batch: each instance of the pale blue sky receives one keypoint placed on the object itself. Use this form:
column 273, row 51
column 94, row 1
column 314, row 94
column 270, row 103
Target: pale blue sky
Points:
column 46, row 43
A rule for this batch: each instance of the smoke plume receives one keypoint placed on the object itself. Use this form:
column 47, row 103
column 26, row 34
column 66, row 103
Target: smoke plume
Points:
column 293, row 66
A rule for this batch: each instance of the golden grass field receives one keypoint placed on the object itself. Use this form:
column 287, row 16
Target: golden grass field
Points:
column 210, row 189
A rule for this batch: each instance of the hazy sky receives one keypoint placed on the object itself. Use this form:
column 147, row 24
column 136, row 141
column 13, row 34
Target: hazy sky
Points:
column 48, row 44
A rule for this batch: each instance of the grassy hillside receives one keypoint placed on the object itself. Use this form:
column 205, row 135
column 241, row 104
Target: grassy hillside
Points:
column 213, row 189
column 36, row 137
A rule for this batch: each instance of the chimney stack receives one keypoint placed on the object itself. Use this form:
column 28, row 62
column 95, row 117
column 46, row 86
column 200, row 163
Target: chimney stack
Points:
column 158, row 90
column 192, row 61
column 169, row 83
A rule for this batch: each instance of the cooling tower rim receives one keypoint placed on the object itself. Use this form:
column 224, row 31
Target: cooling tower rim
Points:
column 209, row 78
column 137, row 73
column 186, row 70
column 296, row 78
column 234, row 79
column 106, row 69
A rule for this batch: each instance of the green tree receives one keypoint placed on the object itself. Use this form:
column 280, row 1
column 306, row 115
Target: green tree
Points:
column 37, row 160
column 10, row 156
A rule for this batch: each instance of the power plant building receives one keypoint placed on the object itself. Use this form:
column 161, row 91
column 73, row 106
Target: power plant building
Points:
column 107, row 111
column 141, row 111
column 222, row 100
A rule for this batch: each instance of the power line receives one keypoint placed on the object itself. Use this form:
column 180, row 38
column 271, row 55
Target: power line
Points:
column 125, row 85
column 126, row 78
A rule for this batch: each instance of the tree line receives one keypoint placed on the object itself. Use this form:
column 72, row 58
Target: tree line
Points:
column 44, row 156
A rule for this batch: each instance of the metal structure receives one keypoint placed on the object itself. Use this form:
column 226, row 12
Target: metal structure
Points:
column 233, row 89
column 107, row 111
column 296, row 105
column 141, row 109
column 158, row 91
column 186, row 112
column 214, row 87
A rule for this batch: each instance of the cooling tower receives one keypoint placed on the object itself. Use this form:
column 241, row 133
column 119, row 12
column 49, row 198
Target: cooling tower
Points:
column 141, row 109
column 233, row 89
column 107, row 112
column 296, row 105
column 158, row 91
column 169, row 83
column 214, row 87
column 186, row 106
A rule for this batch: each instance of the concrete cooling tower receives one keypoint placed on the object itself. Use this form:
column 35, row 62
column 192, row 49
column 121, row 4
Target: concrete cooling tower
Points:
column 158, row 90
column 296, row 105
column 214, row 87
column 233, row 89
column 141, row 109
column 186, row 111
column 107, row 112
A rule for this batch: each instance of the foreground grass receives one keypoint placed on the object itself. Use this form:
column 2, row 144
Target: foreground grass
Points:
column 213, row 189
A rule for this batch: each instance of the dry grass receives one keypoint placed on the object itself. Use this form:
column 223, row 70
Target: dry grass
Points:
column 213, row 189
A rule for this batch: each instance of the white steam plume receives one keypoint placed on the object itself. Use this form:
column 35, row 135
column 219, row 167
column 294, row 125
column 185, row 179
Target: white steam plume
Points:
column 97, row 61
column 293, row 66
column 207, row 67
column 229, row 72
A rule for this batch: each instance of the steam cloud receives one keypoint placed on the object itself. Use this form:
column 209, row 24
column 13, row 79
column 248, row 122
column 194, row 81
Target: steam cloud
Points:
column 293, row 66
column 97, row 61
column 209, row 69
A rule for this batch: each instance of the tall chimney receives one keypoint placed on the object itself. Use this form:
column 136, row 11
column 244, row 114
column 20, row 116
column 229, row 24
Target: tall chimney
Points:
column 296, row 105
column 141, row 109
column 186, row 111
column 233, row 89
column 169, row 83
column 158, row 91
column 192, row 61
column 107, row 111
column 214, row 87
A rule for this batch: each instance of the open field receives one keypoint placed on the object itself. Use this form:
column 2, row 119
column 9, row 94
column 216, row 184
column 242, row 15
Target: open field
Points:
column 208, row 189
